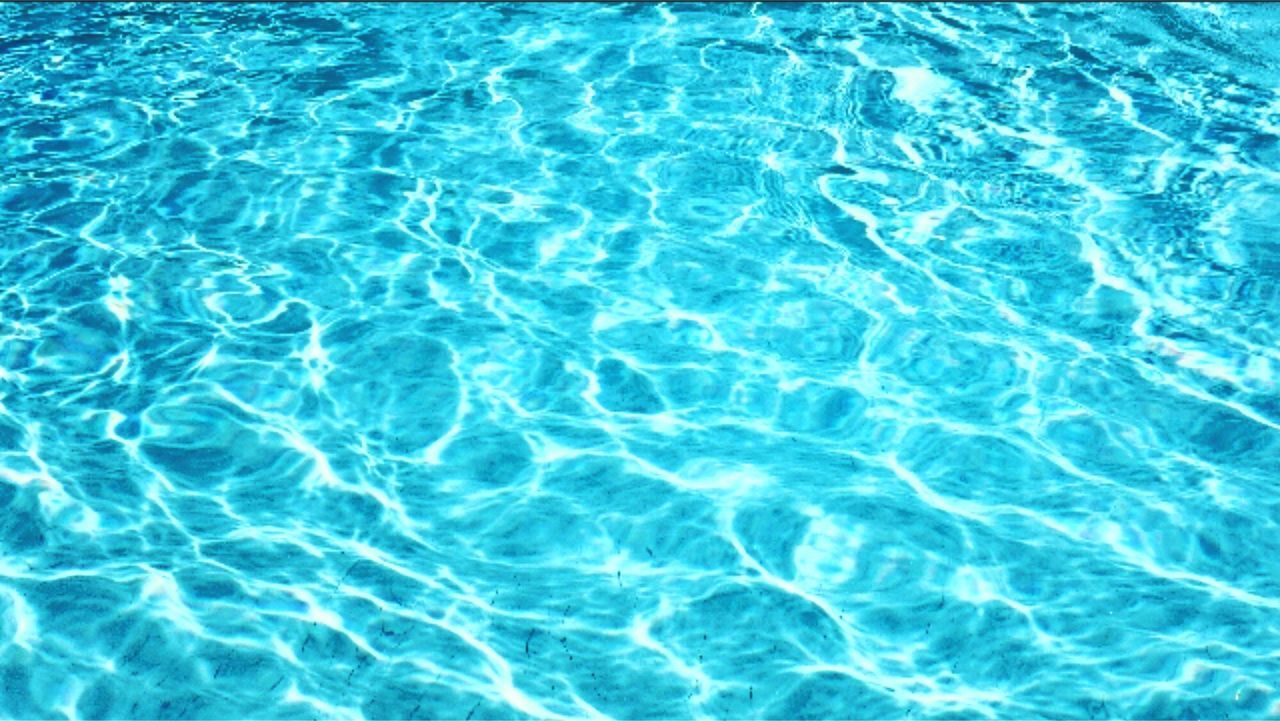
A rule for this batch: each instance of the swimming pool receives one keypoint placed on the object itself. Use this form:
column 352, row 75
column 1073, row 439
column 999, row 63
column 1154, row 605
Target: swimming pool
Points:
column 639, row 361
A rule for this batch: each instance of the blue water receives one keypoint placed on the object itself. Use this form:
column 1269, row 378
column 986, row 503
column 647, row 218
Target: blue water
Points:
column 639, row 362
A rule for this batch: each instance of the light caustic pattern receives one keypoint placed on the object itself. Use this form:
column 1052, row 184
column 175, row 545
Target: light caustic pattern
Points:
column 751, row 361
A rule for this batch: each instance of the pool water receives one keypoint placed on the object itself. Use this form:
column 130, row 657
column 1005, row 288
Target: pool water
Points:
column 639, row 361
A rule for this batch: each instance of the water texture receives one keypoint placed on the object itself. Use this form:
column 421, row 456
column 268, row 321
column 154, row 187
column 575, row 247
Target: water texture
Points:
column 639, row 361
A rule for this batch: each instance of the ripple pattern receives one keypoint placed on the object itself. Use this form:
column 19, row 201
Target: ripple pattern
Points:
column 637, row 361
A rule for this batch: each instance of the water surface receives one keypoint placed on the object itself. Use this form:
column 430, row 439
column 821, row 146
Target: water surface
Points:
column 639, row 361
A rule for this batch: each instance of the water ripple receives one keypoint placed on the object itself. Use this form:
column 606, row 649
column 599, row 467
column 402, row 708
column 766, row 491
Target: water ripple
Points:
column 639, row 361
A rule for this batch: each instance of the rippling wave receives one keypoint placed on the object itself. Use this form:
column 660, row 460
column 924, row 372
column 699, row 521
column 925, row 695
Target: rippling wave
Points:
column 639, row 361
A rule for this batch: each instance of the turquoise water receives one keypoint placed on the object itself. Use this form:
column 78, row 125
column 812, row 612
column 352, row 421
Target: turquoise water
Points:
column 637, row 362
